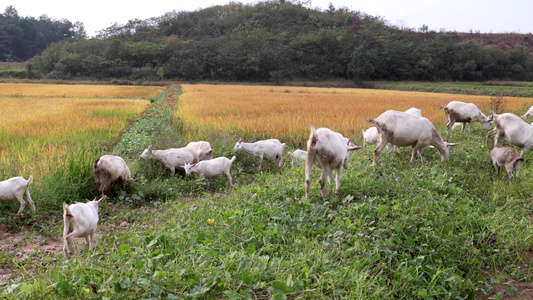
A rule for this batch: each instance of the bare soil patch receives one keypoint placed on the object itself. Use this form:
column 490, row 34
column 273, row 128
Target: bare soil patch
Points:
column 23, row 245
column 510, row 288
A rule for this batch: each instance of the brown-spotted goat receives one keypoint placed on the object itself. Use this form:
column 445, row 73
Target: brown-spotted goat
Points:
column 506, row 157
column 109, row 169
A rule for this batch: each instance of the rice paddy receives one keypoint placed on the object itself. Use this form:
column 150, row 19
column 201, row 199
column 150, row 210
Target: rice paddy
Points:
column 286, row 112
column 41, row 123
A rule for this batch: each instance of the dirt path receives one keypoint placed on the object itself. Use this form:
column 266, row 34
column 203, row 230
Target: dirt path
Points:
column 23, row 245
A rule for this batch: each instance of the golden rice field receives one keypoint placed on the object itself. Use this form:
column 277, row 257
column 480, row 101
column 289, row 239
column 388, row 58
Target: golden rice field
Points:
column 40, row 123
column 79, row 91
column 287, row 112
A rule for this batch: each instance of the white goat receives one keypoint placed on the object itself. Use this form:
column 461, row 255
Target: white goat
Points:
column 327, row 150
column 297, row 154
column 402, row 129
column 414, row 111
column 271, row 148
column 211, row 168
column 171, row 158
column 108, row 169
column 200, row 151
column 14, row 188
column 457, row 125
column 506, row 157
column 371, row 135
column 514, row 130
column 80, row 220
column 462, row 112
column 529, row 113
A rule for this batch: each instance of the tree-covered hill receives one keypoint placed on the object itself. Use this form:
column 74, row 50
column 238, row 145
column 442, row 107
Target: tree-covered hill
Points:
column 21, row 38
column 277, row 41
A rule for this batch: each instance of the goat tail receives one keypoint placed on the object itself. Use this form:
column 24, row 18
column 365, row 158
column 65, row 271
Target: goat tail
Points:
column 95, row 165
column 313, row 137
column 518, row 160
column 30, row 180
column 67, row 214
column 233, row 159
column 371, row 120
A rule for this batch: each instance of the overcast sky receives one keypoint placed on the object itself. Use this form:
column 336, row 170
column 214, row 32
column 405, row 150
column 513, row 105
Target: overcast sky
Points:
column 486, row 16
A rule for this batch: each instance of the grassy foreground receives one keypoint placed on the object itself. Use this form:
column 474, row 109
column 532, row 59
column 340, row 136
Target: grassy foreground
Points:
column 438, row 230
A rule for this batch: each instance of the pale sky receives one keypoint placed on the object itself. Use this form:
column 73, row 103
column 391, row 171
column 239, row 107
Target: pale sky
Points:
column 486, row 16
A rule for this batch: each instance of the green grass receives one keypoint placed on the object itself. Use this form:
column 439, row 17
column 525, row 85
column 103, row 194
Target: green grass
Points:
column 434, row 230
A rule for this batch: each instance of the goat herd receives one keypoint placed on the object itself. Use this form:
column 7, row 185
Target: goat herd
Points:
column 326, row 149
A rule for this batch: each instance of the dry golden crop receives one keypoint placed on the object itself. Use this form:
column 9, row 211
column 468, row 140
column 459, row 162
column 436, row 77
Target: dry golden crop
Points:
column 287, row 112
column 39, row 123
column 80, row 91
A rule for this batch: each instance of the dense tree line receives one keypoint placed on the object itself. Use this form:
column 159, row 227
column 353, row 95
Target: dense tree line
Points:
column 277, row 41
column 22, row 38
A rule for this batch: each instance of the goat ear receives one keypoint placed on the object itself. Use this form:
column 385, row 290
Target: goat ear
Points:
column 452, row 144
column 240, row 140
column 353, row 148
column 101, row 199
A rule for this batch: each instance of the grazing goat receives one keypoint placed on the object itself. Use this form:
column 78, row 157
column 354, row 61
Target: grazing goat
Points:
column 200, row 151
column 529, row 113
column 108, row 169
column 371, row 135
column 297, row 154
column 462, row 112
column 402, row 129
column 271, row 148
column 506, row 157
column 211, row 168
column 514, row 130
column 15, row 188
column 80, row 220
column 414, row 111
column 327, row 150
column 171, row 158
